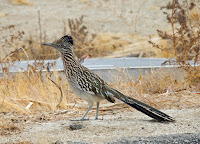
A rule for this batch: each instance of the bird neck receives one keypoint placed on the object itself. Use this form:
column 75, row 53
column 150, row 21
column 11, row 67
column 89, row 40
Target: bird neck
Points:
column 68, row 59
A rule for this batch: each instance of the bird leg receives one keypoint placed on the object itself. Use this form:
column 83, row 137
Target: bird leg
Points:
column 97, row 111
column 83, row 117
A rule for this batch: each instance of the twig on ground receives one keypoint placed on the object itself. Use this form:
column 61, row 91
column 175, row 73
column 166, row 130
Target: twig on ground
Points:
column 61, row 93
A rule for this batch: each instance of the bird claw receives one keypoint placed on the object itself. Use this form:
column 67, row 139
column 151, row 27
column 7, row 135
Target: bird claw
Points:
column 80, row 119
column 98, row 118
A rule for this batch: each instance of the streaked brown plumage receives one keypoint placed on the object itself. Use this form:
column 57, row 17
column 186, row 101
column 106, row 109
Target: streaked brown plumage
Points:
column 91, row 88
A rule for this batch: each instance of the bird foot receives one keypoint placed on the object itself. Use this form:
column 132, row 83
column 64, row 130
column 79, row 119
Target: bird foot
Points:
column 80, row 119
column 96, row 118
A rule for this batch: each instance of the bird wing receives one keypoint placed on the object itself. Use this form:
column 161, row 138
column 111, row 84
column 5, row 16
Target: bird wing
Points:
column 94, row 85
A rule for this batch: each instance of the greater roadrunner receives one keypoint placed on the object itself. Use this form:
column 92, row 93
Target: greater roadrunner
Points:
column 91, row 88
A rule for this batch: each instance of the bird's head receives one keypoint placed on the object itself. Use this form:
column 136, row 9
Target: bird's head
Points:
column 64, row 44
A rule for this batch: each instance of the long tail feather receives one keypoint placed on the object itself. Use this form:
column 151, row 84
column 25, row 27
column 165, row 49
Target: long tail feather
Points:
column 144, row 108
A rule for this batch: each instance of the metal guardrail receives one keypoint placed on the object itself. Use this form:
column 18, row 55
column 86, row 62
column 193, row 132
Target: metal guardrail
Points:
column 107, row 68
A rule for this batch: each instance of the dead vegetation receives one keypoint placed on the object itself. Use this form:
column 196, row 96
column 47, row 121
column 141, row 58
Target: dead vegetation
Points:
column 8, row 40
column 88, row 45
column 182, row 44
column 35, row 93
column 79, row 32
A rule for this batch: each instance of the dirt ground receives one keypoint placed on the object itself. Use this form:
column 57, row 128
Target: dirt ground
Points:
column 100, row 16
column 141, row 18
column 147, row 17
column 113, row 128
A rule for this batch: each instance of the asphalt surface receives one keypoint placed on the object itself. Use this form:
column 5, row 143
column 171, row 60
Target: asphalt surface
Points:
column 165, row 139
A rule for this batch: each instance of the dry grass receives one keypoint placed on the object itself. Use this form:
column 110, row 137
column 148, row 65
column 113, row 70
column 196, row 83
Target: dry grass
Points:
column 181, row 44
column 159, row 89
column 87, row 44
column 95, row 45
column 33, row 45
column 20, row 90
column 31, row 96
column 35, row 89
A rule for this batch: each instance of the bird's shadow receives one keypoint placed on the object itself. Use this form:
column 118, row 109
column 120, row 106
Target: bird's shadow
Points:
column 87, row 119
column 157, row 121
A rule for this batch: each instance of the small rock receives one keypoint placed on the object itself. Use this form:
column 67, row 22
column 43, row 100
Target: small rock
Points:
column 59, row 142
column 75, row 126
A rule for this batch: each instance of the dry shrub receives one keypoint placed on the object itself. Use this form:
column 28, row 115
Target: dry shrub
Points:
column 94, row 45
column 79, row 32
column 160, row 88
column 160, row 81
column 85, row 44
column 31, row 45
column 183, row 42
column 9, row 36
column 34, row 87
column 36, row 50
column 108, row 43
column 30, row 87
column 194, row 14
column 157, row 81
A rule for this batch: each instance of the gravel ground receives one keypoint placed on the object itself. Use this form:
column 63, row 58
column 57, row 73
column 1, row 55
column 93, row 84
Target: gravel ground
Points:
column 165, row 139
column 124, row 127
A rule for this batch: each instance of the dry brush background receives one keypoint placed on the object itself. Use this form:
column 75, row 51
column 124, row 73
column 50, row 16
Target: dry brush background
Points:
column 100, row 29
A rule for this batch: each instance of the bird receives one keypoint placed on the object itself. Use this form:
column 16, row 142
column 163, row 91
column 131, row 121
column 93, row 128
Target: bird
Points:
column 91, row 88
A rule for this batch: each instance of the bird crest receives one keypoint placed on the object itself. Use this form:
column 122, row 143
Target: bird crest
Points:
column 64, row 39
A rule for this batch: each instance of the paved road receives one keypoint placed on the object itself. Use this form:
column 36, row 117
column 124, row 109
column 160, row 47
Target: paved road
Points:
column 165, row 139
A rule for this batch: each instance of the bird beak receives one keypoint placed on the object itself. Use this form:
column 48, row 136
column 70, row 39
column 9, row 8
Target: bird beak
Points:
column 49, row 44
column 52, row 45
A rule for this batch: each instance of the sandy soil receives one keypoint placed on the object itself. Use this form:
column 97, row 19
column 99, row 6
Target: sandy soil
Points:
column 99, row 16
column 112, row 128
column 143, row 16
column 99, row 19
